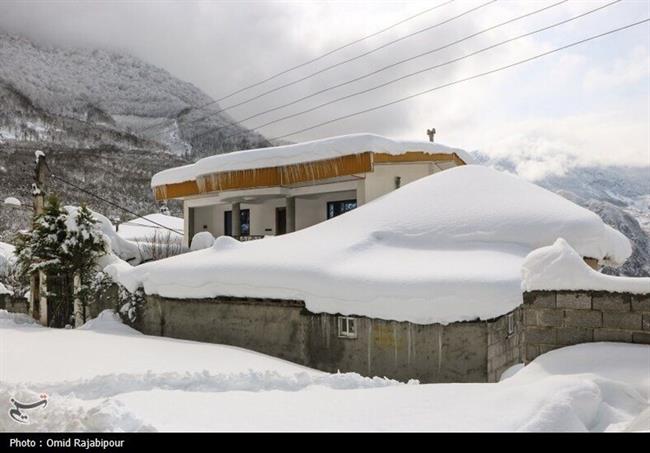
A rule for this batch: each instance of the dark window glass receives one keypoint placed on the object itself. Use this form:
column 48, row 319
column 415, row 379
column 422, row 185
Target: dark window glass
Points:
column 335, row 208
column 245, row 219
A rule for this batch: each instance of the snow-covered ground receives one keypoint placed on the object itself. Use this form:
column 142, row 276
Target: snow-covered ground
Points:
column 107, row 376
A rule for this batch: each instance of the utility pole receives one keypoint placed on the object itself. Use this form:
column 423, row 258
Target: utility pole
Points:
column 38, row 280
column 431, row 132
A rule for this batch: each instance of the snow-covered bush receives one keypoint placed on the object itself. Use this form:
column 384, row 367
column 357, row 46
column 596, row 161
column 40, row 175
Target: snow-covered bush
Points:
column 127, row 304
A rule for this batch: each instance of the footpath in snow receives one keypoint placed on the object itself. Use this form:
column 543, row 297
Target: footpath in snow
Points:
column 116, row 379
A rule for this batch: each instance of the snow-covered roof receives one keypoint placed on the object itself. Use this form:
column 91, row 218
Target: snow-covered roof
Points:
column 559, row 267
column 448, row 247
column 311, row 151
column 143, row 229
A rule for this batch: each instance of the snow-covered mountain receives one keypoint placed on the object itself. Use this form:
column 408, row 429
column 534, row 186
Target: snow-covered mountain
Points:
column 85, row 98
column 620, row 195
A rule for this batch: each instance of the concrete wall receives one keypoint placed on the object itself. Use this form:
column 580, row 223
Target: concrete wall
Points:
column 505, row 344
column 553, row 319
column 14, row 304
column 285, row 329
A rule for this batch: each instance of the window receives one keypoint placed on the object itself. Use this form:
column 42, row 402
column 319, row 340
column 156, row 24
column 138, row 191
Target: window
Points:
column 245, row 222
column 347, row 327
column 511, row 324
column 336, row 208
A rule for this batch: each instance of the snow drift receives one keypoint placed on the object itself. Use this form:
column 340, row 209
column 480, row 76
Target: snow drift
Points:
column 445, row 248
column 133, row 382
column 559, row 267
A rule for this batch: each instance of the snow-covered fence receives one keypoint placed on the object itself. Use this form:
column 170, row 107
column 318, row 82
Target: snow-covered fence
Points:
column 553, row 319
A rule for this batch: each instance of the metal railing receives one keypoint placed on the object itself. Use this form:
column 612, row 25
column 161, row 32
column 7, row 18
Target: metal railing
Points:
column 251, row 237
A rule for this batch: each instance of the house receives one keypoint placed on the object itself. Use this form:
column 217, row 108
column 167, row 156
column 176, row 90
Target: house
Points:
column 272, row 191
column 425, row 282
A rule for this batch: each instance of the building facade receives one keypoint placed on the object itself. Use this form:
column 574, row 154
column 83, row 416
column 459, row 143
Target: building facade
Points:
column 302, row 185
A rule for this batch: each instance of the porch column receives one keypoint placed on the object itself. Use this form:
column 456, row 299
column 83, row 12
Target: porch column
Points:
column 236, row 219
column 291, row 214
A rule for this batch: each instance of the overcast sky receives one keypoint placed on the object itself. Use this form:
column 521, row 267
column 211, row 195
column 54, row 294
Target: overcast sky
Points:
column 587, row 105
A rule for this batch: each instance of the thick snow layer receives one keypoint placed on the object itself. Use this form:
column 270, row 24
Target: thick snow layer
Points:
column 12, row 201
column 7, row 257
column 4, row 290
column 143, row 230
column 202, row 240
column 125, row 250
column 445, row 248
column 132, row 382
column 315, row 150
column 559, row 267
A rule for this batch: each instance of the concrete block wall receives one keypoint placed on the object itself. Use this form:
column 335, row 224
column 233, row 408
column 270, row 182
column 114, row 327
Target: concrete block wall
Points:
column 553, row 319
column 14, row 304
column 504, row 346
column 400, row 350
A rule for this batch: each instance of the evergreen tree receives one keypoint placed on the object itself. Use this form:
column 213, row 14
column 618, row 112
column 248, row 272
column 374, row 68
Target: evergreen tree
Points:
column 84, row 245
column 40, row 249
column 63, row 245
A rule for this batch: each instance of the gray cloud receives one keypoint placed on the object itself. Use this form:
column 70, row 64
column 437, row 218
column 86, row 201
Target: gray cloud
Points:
column 220, row 46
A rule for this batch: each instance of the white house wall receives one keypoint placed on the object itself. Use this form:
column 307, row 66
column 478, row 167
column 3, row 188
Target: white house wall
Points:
column 382, row 179
column 313, row 210
column 311, row 200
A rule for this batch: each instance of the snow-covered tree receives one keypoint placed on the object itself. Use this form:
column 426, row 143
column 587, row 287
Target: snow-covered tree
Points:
column 63, row 243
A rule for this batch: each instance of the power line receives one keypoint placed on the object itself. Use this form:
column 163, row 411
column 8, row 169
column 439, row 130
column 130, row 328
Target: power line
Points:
column 384, row 68
column 326, row 54
column 313, row 60
column 109, row 202
column 476, row 76
column 412, row 74
column 327, row 68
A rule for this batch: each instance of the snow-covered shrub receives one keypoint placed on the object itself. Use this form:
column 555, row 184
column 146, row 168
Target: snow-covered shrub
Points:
column 160, row 245
column 127, row 304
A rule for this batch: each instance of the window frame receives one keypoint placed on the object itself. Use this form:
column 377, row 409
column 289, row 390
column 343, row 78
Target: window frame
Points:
column 350, row 324
column 342, row 202
column 242, row 213
column 510, row 327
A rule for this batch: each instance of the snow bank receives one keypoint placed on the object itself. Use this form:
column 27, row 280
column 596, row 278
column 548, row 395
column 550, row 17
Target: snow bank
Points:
column 202, row 240
column 327, row 148
column 65, row 413
column 425, row 253
column 109, row 322
column 560, row 267
column 136, row 382
column 581, row 388
column 16, row 319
